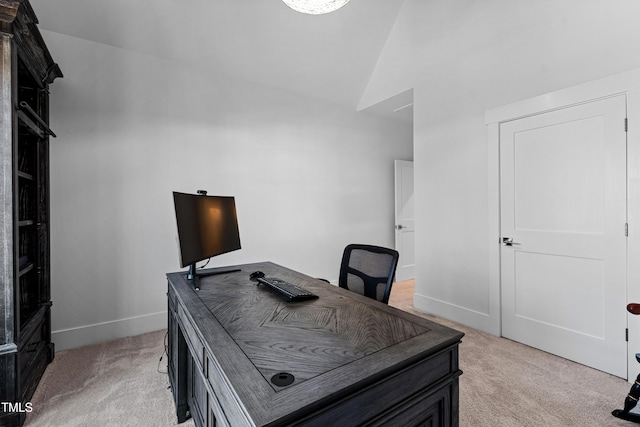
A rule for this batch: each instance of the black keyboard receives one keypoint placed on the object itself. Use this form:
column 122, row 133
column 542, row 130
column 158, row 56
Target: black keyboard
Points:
column 292, row 292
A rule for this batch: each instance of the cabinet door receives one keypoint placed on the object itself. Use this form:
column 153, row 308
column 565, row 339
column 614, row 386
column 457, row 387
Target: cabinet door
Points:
column 216, row 416
column 197, row 393
column 177, row 355
column 31, row 200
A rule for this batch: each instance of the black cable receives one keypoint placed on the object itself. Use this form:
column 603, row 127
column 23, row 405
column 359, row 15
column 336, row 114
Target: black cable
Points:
column 166, row 346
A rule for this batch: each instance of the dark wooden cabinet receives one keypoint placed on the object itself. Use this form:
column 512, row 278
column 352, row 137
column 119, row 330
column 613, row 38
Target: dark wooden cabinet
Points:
column 26, row 70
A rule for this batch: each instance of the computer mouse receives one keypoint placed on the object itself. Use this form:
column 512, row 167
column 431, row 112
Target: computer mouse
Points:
column 256, row 275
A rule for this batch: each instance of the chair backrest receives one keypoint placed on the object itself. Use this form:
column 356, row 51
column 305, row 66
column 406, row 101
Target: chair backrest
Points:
column 368, row 270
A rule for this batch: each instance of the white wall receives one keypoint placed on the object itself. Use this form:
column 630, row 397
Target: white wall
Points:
column 308, row 177
column 462, row 58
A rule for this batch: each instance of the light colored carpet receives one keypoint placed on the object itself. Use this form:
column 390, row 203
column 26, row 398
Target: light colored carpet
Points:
column 504, row 384
column 508, row 384
column 117, row 383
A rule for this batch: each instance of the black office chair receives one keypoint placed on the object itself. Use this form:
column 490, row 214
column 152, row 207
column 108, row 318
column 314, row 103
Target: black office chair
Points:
column 368, row 270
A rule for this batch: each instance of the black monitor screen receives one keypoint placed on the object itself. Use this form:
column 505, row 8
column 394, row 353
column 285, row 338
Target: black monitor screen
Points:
column 207, row 226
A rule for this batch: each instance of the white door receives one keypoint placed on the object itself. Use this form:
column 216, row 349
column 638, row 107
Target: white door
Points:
column 404, row 219
column 563, row 204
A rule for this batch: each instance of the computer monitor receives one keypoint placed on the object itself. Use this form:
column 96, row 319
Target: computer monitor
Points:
column 207, row 226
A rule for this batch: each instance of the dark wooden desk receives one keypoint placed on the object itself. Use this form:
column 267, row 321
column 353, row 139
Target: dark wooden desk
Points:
column 355, row 361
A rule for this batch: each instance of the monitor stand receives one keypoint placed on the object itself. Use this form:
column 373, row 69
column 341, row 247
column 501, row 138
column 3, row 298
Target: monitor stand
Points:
column 194, row 277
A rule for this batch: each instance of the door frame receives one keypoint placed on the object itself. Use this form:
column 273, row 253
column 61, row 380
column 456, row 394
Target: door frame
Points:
column 624, row 83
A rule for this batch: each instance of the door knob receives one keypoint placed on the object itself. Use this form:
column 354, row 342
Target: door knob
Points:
column 508, row 241
column 399, row 227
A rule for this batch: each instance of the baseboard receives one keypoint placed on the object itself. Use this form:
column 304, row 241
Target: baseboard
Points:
column 471, row 318
column 65, row 339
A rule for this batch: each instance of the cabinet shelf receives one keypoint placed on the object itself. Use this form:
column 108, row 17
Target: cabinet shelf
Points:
column 41, row 125
column 24, row 270
column 30, row 124
column 25, row 175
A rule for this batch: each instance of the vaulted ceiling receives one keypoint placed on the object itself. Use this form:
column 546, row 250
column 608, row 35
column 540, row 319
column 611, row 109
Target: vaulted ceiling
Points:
column 330, row 57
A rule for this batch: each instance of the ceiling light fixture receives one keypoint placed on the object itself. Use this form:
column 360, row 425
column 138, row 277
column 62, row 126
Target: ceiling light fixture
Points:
column 315, row 7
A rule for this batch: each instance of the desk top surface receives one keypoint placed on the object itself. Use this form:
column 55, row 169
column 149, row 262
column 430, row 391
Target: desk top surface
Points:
column 328, row 344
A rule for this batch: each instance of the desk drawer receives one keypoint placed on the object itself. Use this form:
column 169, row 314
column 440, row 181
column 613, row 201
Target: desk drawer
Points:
column 171, row 298
column 430, row 383
column 434, row 408
column 191, row 337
